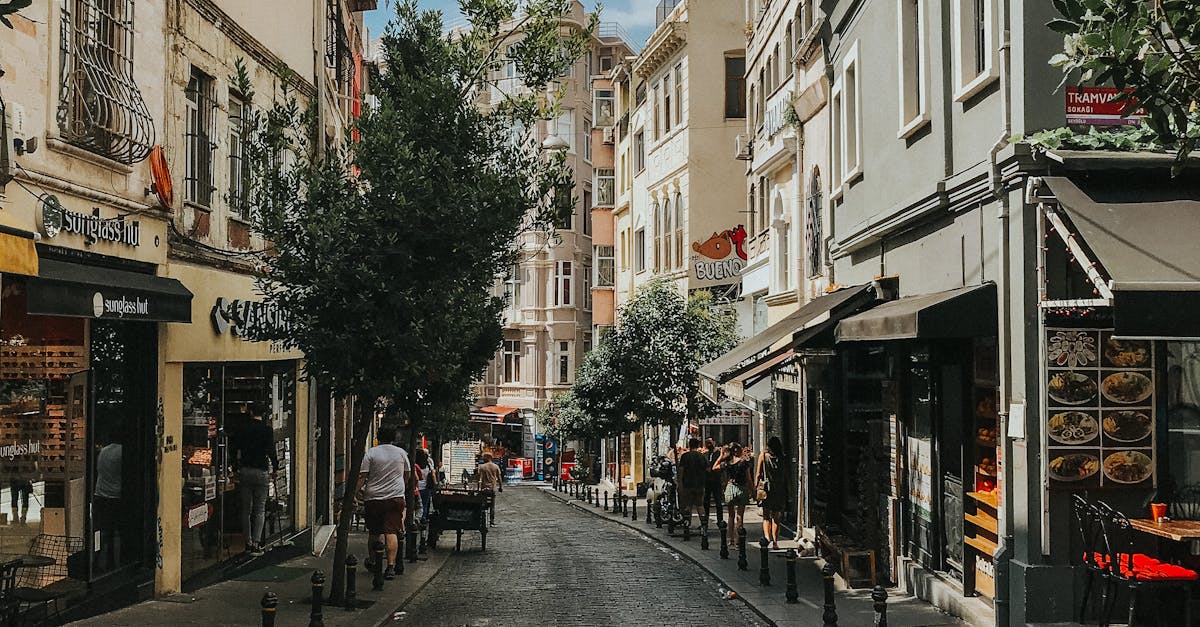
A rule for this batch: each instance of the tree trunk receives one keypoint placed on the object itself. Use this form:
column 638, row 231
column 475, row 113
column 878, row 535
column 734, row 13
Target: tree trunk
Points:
column 364, row 412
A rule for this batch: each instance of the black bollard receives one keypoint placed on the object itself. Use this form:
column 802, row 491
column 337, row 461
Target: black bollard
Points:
column 879, row 595
column 687, row 528
column 351, row 581
column 723, row 527
column 764, row 559
column 624, row 506
column 741, row 546
column 670, row 524
column 658, row 513
column 414, row 539
column 269, row 603
column 318, row 591
column 633, row 505
column 793, row 593
column 829, row 617
column 704, row 536
column 606, row 500
column 596, row 498
column 378, row 557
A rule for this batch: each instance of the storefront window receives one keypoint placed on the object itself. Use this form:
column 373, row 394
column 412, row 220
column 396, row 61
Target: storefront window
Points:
column 219, row 401
column 1183, row 411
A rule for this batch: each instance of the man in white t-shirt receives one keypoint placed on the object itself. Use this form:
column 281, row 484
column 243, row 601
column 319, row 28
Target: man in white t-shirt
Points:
column 382, row 478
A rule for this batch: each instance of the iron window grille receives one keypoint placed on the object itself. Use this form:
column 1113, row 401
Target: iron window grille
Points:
column 239, row 164
column 338, row 55
column 100, row 106
column 814, row 233
column 200, row 106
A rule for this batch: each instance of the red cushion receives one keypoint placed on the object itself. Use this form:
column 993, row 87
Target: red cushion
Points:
column 1139, row 559
column 1159, row 572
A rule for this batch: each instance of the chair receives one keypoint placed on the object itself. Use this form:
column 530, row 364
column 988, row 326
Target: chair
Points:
column 1136, row 571
column 1185, row 503
column 1088, row 519
column 46, row 585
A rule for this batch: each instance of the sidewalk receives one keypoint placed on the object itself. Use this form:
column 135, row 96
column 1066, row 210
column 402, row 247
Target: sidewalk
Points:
column 854, row 607
column 236, row 602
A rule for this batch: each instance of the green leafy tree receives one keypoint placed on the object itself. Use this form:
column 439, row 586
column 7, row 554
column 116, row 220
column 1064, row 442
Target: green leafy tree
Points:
column 10, row 7
column 384, row 257
column 1151, row 48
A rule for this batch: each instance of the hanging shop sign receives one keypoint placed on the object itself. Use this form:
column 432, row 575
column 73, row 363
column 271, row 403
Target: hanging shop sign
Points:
column 720, row 259
column 54, row 218
column 1095, row 106
column 1100, row 409
column 775, row 118
column 252, row 320
column 729, row 415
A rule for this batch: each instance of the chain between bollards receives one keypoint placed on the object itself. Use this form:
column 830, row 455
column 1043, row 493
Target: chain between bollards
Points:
column 315, row 619
column 269, row 603
column 879, row 595
column 764, row 559
column 723, row 527
column 741, row 547
column 793, row 593
column 351, row 581
column 378, row 557
column 829, row 617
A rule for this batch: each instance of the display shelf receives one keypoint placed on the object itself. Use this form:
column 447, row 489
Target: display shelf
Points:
column 987, row 498
column 983, row 545
column 983, row 521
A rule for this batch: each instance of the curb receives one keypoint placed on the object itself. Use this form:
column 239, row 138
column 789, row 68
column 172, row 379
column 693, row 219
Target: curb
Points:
column 387, row 620
column 550, row 493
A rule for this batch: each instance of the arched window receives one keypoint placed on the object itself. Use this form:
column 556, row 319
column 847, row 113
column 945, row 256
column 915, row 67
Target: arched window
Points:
column 667, row 228
column 813, row 231
column 679, row 230
column 658, row 249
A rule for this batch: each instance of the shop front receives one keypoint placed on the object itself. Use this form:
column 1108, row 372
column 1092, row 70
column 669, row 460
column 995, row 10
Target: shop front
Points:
column 223, row 373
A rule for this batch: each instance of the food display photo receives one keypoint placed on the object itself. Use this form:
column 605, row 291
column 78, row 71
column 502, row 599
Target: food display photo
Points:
column 1099, row 408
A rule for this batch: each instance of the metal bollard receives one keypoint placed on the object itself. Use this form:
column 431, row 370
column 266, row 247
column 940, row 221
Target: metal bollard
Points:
column 378, row 556
column 687, row 528
column 351, row 581
column 764, row 559
column 829, row 617
column 793, row 593
column 671, row 524
column 318, row 591
column 269, row 603
column 624, row 506
column 596, row 498
column 606, row 500
column 723, row 527
column 879, row 595
column 741, row 546
column 633, row 506
column 658, row 513
column 401, row 545
column 704, row 536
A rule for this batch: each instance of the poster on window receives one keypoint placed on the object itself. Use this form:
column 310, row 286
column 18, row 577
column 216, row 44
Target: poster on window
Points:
column 1099, row 409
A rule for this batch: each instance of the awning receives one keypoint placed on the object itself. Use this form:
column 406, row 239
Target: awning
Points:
column 958, row 313
column 495, row 414
column 18, row 255
column 74, row 290
column 1143, row 238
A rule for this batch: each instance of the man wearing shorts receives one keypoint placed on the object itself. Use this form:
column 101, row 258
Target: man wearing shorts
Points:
column 692, row 474
column 384, row 473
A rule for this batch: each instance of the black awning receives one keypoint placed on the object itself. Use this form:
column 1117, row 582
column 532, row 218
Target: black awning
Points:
column 1143, row 237
column 74, row 290
column 958, row 313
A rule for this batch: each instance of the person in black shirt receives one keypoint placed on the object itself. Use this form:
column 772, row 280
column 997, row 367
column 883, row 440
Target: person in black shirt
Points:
column 713, row 487
column 255, row 461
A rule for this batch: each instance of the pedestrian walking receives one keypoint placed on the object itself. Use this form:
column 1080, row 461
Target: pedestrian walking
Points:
column 487, row 475
column 255, row 463
column 427, row 481
column 692, row 475
column 771, row 486
column 737, row 467
column 382, row 481
column 713, row 485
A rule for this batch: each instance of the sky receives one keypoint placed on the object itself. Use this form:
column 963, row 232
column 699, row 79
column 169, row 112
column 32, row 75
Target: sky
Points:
column 637, row 16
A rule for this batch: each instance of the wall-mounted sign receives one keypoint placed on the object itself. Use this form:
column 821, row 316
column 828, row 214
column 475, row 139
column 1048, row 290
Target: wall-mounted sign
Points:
column 1095, row 106
column 119, row 306
column 720, row 259
column 251, row 320
column 775, row 117
column 729, row 414
column 55, row 219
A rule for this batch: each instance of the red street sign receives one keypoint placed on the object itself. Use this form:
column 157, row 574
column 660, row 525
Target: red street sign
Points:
column 1095, row 106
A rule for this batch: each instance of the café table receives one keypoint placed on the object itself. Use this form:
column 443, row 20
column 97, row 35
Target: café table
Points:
column 1176, row 530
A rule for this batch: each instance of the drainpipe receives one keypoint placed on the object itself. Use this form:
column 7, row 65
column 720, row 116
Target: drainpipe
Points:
column 1004, row 553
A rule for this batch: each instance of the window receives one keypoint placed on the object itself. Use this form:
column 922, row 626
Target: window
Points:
column 679, row 94
column 606, row 187
column 657, row 213
column 753, row 99
column 239, row 167
column 777, row 72
column 656, row 130
column 564, row 206
column 512, row 361
column 587, row 142
column 587, row 212
column 198, row 142
column 606, row 64
column 566, row 128
column 735, row 87
column 100, row 107
column 563, row 359
column 639, row 252
column 604, row 108
column 510, row 64
column 605, row 275
column 639, row 95
column 790, row 40
column 974, row 43
column 814, row 234
column 512, row 288
column 678, row 230
column 763, row 89
column 760, row 212
column 848, row 110
column 835, row 145
column 668, row 90
column 587, row 343
column 586, row 283
column 639, row 152
column 625, row 249
column 782, row 251
column 913, row 66
column 563, row 273
column 668, row 234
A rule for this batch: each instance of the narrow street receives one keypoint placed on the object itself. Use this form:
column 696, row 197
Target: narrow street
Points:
column 547, row 564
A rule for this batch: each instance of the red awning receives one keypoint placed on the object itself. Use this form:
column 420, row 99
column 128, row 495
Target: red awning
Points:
column 494, row 414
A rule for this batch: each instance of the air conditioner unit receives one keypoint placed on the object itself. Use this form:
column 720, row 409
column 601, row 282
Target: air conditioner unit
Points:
column 742, row 148
column 610, row 135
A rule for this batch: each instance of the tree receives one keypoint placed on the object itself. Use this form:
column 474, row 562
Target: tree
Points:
column 1148, row 48
column 384, row 257
column 10, row 7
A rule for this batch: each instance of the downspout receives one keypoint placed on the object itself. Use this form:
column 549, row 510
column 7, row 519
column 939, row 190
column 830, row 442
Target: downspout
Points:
column 1004, row 553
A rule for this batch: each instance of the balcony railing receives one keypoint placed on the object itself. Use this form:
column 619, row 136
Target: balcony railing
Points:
column 664, row 9
column 608, row 31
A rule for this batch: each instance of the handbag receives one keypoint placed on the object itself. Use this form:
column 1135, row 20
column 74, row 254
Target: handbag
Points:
column 761, row 495
column 733, row 492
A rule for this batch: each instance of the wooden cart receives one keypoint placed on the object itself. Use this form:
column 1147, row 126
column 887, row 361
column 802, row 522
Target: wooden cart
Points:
column 460, row 509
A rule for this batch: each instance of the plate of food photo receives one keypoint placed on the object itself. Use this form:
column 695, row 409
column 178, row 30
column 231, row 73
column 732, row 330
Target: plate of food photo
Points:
column 1071, row 388
column 1127, row 387
column 1127, row 353
column 1073, row 427
column 1127, row 425
column 1128, row 467
column 1074, row 466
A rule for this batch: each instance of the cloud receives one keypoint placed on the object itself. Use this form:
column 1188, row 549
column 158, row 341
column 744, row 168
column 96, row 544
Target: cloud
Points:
column 634, row 15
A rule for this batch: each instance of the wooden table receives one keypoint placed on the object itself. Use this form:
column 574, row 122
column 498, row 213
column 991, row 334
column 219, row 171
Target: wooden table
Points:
column 1177, row 530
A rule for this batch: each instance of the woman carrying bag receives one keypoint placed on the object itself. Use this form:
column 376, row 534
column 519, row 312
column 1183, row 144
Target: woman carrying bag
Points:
column 736, row 464
column 771, row 487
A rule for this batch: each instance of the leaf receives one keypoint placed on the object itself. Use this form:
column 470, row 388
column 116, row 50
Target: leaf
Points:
column 1059, row 60
column 1063, row 26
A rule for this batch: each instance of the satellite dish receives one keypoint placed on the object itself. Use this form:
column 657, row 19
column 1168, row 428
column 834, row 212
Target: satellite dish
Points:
column 160, row 174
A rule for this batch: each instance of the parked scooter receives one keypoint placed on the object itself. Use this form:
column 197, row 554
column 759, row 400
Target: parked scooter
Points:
column 661, row 495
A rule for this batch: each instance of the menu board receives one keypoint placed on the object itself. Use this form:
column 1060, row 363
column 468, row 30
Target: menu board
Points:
column 1099, row 401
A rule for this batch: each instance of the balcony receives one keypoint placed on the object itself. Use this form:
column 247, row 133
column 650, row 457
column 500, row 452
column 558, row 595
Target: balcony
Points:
column 664, row 9
column 614, row 33
column 605, row 186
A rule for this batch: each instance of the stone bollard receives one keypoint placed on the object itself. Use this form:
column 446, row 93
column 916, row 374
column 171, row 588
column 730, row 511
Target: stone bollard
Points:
column 793, row 593
column 723, row 527
column 269, row 602
column 829, row 617
column 741, row 546
column 704, row 535
column 764, row 559
column 606, row 500
column 879, row 595
column 633, row 506
column 351, row 581
column 318, row 591
column 378, row 557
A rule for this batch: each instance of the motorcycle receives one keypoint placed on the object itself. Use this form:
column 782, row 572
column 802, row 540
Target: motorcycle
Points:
column 661, row 494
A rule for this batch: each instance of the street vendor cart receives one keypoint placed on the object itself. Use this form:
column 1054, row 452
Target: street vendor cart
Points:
column 460, row 509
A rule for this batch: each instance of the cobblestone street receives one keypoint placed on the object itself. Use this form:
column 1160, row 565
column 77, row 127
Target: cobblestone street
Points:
column 547, row 564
